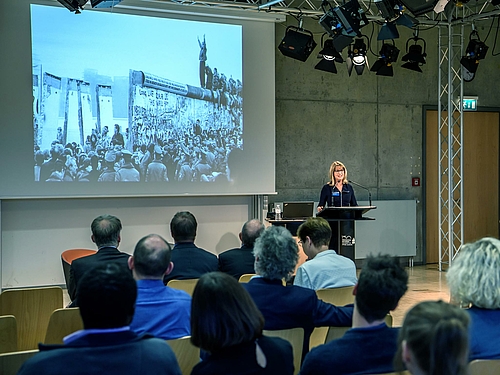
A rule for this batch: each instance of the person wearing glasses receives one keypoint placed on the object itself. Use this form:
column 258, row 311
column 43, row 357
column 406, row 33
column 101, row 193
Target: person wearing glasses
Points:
column 337, row 192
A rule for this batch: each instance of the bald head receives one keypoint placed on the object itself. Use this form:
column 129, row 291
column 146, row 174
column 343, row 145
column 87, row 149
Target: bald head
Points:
column 251, row 230
column 151, row 259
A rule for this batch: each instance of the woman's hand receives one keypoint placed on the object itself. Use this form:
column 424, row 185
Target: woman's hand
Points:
column 319, row 208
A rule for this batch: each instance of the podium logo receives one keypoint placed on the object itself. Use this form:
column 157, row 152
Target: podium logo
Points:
column 348, row 241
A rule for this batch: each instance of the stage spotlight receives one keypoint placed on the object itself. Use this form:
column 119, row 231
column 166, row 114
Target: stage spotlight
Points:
column 104, row 3
column 328, row 55
column 297, row 43
column 415, row 55
column 357, row 58
column 476, row 50
column 347, row 20
column 74, row 5
column 383, row 66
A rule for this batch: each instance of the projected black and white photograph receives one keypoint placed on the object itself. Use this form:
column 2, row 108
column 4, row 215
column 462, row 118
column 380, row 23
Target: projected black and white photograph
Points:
column 126, row 98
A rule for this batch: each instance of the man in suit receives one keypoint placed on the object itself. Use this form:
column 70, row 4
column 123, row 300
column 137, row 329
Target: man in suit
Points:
column 190, row 261
column 239, row 261
column 369, row 346
column 283, row 307
column 106, row 345
column 324, row 267
column 162, row 311
column 106, row 235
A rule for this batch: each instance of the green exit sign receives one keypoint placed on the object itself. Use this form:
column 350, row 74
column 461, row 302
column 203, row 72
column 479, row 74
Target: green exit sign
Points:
column 469, row 103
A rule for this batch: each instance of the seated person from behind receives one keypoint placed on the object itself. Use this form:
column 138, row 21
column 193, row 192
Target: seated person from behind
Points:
column 159, row 309
column 106, row 345
column 324, row 268
column 474, row 281
column 190, row 261
column 276, row 255
column 239, row 261
column 106, row 235
column 369, row 346
column 226, row 323
column 434, row 340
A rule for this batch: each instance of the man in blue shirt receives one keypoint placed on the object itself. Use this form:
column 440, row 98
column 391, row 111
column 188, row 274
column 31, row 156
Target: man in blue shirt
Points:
column 160, row 310
column 369, row 346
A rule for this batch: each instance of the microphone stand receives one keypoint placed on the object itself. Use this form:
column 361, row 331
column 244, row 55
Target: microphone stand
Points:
column 363, row 187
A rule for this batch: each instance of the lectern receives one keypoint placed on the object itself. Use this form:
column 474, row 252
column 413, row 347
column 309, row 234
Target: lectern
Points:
column 342, row 221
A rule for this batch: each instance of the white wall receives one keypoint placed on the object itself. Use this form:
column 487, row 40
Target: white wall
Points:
column 34, row 233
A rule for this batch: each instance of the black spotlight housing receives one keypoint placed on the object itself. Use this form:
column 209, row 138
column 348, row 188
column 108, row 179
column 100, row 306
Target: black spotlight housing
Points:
column 297, row 43
column 388, row 54
column 357, row 57
column 328, row 55
column 476, row 50
column 74, row 5
column 415, row 55
column 347, row 19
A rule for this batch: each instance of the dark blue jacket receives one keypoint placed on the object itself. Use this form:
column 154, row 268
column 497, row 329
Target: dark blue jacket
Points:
column 330, row 196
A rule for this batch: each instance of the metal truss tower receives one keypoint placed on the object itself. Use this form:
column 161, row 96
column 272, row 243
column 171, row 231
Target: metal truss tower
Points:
column 450, row 138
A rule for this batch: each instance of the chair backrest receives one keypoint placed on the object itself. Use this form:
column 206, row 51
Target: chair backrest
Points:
column 245, row 278
column 8, row 334
column 484, row 367
column 32, row 309
column 10, row 363
column 337, row 296
column 185, row 285
column 186, row 353
column 294, row 336
column 68, row 256
column 62, row 323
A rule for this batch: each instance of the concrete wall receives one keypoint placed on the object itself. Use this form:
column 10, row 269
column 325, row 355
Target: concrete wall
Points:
column 373, row 124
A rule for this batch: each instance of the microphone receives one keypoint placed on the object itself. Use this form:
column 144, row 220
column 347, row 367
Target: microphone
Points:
column 363, row 187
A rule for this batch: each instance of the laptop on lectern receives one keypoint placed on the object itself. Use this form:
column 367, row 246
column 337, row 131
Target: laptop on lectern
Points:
column 298, row 210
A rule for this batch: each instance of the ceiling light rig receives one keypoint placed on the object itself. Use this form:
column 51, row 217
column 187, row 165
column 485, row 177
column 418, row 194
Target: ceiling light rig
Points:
column 388, row 54
column 356, row 56
column 415, row 54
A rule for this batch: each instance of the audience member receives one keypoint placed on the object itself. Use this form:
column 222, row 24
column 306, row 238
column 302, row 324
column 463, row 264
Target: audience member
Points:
column 276, row 255
column 324, row 268
column 106, row 235
column 239, row 261
column 106, row 345
column 159, row 310
column 226, row 323
column 370, row 346
column 474, row 280
column 433, row 340
column 190, row 261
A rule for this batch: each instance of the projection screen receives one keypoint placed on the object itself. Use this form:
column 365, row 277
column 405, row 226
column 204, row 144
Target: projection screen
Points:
column 134, row 102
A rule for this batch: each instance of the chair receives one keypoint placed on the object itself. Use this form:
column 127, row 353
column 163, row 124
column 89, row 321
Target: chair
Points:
column 294, row 336
column 186, row 285
column 337, row 296
column 186, row 353
column 484, row 367
column 62, row 323
column 68, row 256
column 245, row 278
column 10, row 363
column 8, row 334
column 32, row 309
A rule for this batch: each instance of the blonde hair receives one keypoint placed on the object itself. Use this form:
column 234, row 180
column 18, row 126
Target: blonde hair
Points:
column 332, row 171
column 474, row 276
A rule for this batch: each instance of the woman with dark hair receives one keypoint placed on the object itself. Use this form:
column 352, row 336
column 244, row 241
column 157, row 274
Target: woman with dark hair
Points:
column 227, row 325
column 434, row 340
